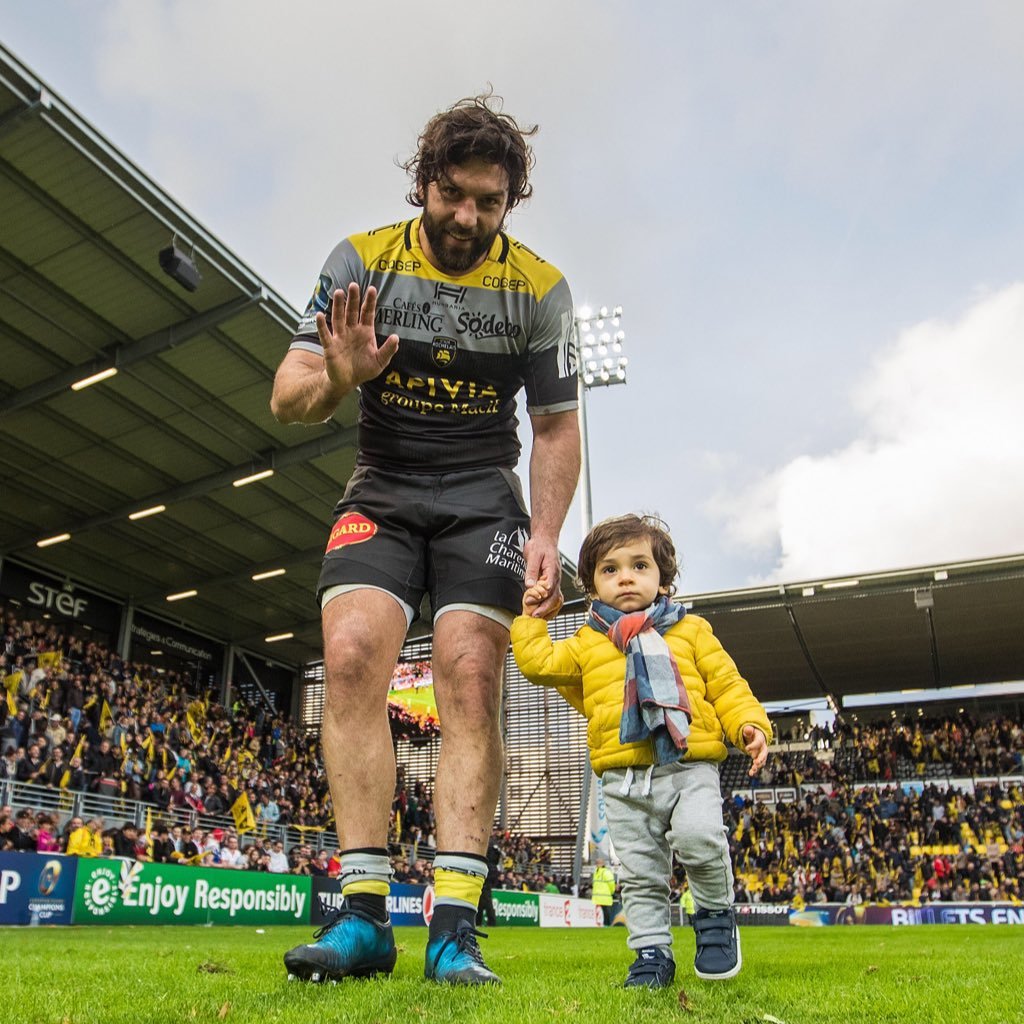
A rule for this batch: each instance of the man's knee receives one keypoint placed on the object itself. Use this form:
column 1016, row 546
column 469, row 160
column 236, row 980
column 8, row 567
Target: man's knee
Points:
column 471, row 686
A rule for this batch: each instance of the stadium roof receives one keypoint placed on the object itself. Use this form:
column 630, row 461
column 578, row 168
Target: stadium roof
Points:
column 958, row 624
column 187, row 415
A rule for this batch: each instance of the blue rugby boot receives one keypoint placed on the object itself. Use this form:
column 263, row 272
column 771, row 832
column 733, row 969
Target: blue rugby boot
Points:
column 351, row 945
column 455, row 958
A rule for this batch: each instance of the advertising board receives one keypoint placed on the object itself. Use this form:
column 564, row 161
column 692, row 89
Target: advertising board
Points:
column 558, row 911
column 36, row 888
column 129, row 892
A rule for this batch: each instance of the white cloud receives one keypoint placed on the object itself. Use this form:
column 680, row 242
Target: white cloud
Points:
column 937, row 473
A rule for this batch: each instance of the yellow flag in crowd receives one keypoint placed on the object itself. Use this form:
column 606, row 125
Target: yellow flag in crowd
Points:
column 106, row 717
column 194, row 730
column 149, row 831
column 13, row 680
column 78, row 749
column 46, row 701
column 241, row 811
column 49, row 659
column 12, row 704
column 65, row 779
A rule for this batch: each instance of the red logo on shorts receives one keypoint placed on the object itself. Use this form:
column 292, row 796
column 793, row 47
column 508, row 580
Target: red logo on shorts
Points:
column 351, row 528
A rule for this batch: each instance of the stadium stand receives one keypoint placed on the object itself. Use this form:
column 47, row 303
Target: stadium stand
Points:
column 897, row 810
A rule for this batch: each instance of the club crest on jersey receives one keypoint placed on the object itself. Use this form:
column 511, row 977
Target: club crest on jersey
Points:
column 322, row 295
column 351, row 528
column 443, row 351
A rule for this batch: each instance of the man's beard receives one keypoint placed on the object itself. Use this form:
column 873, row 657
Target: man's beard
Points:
column 449, row 259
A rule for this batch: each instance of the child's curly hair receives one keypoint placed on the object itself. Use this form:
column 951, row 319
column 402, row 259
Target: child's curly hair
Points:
column 613, row 533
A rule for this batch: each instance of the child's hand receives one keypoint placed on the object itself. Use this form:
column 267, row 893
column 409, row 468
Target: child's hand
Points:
column 535, row 596
column 756, row 746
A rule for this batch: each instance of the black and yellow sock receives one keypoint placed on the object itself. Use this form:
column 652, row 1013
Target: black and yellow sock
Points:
column 366, row 880
column 458, row 882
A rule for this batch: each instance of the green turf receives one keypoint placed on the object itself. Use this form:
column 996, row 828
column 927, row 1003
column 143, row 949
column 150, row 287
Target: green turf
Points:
column 923, row 975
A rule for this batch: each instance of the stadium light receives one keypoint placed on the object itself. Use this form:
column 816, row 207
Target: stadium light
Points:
column 95, row 378
column 145, row 513
column 263, row 474
column 58, row 538
column 269, row 574
column 600, row 364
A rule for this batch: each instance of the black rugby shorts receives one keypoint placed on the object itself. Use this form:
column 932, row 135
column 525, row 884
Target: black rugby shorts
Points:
column 456, row 536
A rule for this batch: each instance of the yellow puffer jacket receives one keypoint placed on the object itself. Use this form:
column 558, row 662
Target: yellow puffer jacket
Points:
column 589, row 671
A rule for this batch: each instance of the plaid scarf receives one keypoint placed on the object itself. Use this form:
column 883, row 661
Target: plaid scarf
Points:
column 654, row 705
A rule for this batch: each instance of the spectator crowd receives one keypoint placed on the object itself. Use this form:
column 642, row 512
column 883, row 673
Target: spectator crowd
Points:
column 78, row 718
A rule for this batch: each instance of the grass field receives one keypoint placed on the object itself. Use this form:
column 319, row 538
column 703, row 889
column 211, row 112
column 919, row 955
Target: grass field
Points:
column 921, row 975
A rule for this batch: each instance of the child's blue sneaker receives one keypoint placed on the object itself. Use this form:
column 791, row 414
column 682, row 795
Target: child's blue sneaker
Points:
column 652, row 968
column 718, row 945
column 455, row 958
column 352, row 945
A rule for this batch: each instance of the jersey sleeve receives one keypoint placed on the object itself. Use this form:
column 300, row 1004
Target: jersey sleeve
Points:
column 551, row 355
column 341, row 268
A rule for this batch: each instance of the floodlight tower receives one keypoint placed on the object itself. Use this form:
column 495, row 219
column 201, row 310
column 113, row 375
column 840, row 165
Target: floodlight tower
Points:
column 599, row 339
column 601, row 364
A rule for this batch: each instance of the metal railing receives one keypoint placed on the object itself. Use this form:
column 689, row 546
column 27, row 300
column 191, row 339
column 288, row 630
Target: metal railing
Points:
column 118, row 809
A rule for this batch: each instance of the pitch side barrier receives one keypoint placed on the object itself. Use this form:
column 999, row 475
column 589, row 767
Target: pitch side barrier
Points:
column 820, row 915
column 414, row 905
column 54, row 889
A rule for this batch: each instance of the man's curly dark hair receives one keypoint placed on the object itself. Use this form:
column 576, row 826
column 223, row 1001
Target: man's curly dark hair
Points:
column 467, row 129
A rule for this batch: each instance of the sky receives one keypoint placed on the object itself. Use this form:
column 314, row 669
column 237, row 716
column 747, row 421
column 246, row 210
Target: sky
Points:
column 811, row 213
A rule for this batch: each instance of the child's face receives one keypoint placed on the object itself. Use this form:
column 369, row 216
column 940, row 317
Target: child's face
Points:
column 627, row 577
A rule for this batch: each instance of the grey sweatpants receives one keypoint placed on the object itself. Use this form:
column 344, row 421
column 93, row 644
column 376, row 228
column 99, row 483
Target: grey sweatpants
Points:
column 682, row 812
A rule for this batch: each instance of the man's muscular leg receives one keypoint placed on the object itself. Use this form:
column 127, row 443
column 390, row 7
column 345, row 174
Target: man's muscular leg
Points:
column 469, row 655
column 363, row 635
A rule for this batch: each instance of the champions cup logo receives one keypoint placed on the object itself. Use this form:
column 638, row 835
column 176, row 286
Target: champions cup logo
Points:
column 101, row 891
column 49, row 877
column 351, row 528
column 443, row 351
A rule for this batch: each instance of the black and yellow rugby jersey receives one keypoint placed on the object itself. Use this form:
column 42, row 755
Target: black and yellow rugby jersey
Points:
column 467, row 345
